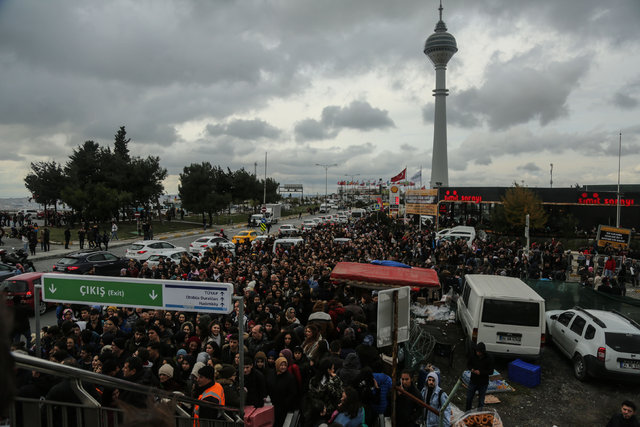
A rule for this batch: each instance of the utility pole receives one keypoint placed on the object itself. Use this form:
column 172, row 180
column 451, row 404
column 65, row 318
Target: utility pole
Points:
column 551, row 176
column 326, row 168
column 264, row 197
column 618, row 201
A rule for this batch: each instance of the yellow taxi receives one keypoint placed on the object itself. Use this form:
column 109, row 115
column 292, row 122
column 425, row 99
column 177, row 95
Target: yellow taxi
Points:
column 244, row 236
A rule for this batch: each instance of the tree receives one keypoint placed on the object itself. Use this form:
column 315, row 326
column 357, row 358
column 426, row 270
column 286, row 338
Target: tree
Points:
column 45, row 183
column 120, row 146
column 518, row 202
column 86, row 189
column 197, row 187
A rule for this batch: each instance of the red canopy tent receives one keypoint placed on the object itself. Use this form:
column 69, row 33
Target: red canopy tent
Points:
column 382, row 277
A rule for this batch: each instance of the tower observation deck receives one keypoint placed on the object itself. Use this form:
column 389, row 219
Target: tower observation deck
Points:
column 440, row 47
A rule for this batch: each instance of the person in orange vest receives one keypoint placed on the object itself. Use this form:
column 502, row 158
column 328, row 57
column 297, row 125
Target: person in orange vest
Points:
column 209, row 391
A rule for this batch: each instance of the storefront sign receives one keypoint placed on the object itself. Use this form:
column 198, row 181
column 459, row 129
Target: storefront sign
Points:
column 597, row 199
column 616, row 237
column 453, row 196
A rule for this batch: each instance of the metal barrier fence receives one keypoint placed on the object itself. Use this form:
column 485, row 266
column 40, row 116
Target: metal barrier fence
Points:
column 44, row 413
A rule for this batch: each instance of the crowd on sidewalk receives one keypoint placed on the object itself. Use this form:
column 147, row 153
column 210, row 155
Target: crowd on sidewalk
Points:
column 309, row 343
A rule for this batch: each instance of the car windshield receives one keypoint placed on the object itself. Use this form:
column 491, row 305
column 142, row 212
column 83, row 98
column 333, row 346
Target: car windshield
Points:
column 68, row 261
column 136, row 247
column 202, row 240
column 14, row 286
column 623, row 343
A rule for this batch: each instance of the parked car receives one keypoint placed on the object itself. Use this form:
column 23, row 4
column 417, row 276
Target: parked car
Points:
column 599, row 343
column 200, row 245
column 308, row 225
column 175, row 256
column 7, row 271
column 244, row 236
column 143, row 249
column 22, row 286
column 288, row 230
column 105, row 263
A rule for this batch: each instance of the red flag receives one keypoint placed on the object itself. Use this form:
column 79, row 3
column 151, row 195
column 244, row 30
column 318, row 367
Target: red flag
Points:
column 402, row 175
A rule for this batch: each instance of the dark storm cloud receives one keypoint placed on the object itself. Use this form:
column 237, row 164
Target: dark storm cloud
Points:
column 245, row 129
column 518, row 91
column 529, row 167
column 313, row 130
column 455, row 115
column 359, row 115
column 624, row 101
column 484, row 148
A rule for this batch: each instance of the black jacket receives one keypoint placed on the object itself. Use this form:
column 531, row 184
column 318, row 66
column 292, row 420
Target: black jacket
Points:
column 482, row 363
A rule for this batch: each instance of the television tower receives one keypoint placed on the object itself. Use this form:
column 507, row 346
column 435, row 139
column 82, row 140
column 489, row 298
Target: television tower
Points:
column 440, row 47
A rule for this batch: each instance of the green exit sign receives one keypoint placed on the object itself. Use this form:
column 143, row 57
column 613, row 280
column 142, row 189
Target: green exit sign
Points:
column 69, row 288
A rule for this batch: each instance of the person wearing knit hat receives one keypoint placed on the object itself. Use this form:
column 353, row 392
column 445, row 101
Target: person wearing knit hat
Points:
column 196, row 368
column 166, row 370
column 167, row 382
column 193, row 344
column 209, row 391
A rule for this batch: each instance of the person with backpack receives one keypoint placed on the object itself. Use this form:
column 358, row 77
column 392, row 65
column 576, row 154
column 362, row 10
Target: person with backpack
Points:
column 435, row 397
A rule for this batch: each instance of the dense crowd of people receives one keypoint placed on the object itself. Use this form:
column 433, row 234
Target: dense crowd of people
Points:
column 309, row 343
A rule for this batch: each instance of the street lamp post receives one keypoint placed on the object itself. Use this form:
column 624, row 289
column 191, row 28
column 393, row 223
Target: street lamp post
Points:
column 326, row 168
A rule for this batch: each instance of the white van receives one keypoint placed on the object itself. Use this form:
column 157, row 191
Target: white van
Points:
column 468, row 234
column 503, row 313
column 287, row 243
column 357, row 213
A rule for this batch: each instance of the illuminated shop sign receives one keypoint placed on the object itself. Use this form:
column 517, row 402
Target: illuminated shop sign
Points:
column 595, row 199
column 452, row 195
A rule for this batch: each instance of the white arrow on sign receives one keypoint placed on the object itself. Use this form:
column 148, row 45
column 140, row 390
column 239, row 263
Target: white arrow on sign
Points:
column 153, row 295
column 52, row 289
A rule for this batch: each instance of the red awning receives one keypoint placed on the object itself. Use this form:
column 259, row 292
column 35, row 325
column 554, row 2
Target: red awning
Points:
column 382, row 277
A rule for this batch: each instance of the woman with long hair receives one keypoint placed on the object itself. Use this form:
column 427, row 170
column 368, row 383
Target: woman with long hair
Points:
column 350, row 410
column 326, row 385
column 311, row 339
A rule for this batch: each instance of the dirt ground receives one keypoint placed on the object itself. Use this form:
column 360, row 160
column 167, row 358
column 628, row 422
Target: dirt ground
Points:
column 560, row 399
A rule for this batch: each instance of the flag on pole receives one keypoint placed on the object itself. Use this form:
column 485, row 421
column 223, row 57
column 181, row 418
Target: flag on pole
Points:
column 417, row 176
column 402, row 175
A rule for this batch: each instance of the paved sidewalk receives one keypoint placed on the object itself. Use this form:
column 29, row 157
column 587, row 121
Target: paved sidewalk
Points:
column 58, row 250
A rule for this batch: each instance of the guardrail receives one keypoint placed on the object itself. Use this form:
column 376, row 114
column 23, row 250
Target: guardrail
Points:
column 89, row 412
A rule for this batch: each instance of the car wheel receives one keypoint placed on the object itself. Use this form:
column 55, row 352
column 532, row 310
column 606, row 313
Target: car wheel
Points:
column 579, row 367
column 43, row 307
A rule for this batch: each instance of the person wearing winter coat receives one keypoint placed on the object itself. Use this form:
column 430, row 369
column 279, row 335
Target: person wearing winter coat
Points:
column 326, row 385
column 435, row 397
column 280, row 386
column 350, row 369
column 481, row 366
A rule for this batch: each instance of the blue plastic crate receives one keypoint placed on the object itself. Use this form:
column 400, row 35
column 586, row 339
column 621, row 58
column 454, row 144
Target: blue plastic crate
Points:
column 524, row 373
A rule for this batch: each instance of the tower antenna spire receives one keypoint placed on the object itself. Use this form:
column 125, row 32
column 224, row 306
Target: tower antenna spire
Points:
column 440, row 9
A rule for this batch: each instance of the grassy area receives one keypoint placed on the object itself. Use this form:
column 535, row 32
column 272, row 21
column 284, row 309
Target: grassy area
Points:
column 125, row 229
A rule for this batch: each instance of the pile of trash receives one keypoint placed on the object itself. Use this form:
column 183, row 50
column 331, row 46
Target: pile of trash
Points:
column 429, row 313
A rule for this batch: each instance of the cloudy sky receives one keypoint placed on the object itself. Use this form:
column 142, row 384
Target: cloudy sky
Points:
column 329, row 81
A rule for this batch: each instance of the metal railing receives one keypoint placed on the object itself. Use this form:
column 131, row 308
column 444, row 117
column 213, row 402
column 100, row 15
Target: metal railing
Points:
column 89, row 412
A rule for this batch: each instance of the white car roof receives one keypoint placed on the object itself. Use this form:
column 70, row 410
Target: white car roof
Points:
column 490, row 285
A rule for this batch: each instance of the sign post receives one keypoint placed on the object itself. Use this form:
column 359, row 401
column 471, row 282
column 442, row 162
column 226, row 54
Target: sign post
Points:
column 144, row 293
column 393, row 327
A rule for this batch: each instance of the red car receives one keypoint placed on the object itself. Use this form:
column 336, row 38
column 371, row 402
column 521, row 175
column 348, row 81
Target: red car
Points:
column 22, row 286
